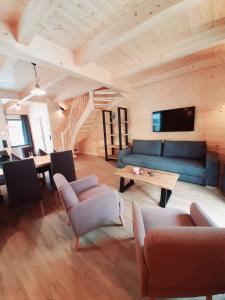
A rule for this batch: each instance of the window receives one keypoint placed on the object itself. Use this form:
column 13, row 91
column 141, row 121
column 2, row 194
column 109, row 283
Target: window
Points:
column 19, row 132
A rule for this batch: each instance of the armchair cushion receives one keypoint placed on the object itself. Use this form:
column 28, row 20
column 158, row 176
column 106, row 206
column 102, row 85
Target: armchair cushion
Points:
column 154, row 217
column 185, row 261
column 94, row 212
column 84, row 184
column 93, row 192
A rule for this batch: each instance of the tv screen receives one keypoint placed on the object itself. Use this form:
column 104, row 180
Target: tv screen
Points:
column 180, row 119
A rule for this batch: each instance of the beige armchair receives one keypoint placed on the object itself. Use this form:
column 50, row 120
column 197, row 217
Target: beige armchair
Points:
column 88, row 204
column 178, row 254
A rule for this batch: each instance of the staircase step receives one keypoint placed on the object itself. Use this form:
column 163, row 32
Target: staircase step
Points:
column 108, row 98
column 105, row 92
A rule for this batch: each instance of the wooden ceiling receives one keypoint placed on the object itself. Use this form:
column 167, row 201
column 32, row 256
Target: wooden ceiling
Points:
column 80, row 45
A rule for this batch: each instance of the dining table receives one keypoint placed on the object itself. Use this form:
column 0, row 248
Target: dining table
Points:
column 39, row 161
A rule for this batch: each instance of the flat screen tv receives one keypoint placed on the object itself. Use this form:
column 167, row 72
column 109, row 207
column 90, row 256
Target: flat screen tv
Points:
column 180, row 119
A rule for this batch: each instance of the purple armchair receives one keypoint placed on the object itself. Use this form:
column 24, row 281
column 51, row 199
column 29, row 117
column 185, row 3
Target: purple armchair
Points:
column 178, row 254
column 89, row 205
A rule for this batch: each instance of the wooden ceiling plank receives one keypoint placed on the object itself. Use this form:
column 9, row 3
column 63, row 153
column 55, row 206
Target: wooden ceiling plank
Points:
column 195, row 43
column 136, row 21
column 182, row 67
column 53, row 56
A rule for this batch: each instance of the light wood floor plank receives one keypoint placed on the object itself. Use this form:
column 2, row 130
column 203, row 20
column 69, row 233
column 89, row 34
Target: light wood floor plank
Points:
column 37, row 257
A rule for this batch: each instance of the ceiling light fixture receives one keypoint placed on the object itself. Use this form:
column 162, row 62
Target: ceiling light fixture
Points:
column 37, row 91
column 18, row 106
column 62, row 108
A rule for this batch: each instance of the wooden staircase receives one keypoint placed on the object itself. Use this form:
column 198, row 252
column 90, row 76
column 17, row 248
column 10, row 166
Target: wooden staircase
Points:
column 84, row 114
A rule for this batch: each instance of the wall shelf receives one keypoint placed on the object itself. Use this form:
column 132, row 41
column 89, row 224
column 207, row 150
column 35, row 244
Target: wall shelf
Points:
column 110, row 135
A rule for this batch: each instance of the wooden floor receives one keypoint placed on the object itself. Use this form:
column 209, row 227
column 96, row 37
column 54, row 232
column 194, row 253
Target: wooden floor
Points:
column 37, row 257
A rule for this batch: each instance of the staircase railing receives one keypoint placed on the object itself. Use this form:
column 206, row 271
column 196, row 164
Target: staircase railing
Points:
column 80, row 110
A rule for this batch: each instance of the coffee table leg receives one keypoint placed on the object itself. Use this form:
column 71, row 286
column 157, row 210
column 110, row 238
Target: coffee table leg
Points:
column 165, row 196
column 123, row 186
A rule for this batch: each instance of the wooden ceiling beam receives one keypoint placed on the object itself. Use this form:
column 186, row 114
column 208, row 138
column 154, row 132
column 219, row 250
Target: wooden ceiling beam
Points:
column 136, row 21
column 53, row 56
column 9, row 95
column 75, row 91
column 198, row 42
column 180, row 69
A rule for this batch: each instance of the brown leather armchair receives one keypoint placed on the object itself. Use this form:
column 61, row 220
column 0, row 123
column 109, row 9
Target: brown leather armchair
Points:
column 178, row 254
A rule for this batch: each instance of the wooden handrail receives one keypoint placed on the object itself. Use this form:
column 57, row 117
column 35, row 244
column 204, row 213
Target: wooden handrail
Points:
column 79, row 112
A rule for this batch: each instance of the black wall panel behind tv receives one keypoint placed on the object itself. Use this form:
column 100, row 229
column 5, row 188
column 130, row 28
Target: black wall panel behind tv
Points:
column 180, row 119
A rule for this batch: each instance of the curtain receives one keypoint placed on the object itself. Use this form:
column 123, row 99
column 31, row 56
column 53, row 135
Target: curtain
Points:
column 26, row 130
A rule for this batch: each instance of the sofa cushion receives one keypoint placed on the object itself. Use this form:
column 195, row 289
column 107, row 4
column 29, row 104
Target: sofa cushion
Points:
column 147, row 147
column 174, row 165
column 185, row 149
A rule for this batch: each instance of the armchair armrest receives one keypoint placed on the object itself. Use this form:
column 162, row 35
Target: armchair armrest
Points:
column 212, row 169
column 94, row 212
column 84, row 184
column 185, row 261
column 121, row 154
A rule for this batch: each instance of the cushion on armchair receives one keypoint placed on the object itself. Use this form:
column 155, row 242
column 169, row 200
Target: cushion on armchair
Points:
column 93, row 192
column 147, row 147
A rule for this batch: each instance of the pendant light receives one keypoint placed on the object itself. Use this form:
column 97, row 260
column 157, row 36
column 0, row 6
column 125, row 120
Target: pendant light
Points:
column 37, row 91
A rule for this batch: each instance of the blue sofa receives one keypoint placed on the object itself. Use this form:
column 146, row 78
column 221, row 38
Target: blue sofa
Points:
column 187, row 158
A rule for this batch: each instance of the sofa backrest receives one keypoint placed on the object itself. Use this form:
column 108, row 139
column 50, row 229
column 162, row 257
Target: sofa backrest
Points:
column 153, row 147
column 185, row 149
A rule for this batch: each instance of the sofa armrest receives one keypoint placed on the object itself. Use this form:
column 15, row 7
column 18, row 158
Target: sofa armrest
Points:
column 212, row 169
column 84, row 184
column 185, row 261
column 121, row 155
column 94, row 212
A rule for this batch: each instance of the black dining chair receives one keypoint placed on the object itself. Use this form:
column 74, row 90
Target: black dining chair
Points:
column 15, row 157
column 42, row 170
column 21, row 182
column 4, row 157
column 62, row 162
column 4, row 153
column 27, row 151
column 41, row 152
column 2, row 182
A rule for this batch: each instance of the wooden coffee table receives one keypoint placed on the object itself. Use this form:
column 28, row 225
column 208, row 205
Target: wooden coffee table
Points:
column 165, row 180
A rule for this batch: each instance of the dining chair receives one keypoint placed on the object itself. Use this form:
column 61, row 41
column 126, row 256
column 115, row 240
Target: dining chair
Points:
column 27, row 151
column 42, row 170
column 21, row 182
column 41, row 152
column 4, row 153
column 4, row 157
column 15, row 157
column 2, row 182
column 62, row 162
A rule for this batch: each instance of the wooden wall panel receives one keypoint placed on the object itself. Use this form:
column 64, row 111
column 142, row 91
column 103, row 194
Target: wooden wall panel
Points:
column 204, row 89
